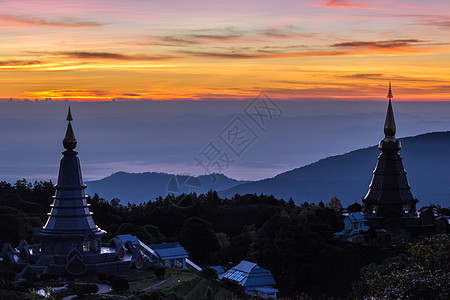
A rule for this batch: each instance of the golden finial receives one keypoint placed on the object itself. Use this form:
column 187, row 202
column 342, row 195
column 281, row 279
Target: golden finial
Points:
column 389, row 95
column 69, row 141
column 389, row 124
column 69, row 116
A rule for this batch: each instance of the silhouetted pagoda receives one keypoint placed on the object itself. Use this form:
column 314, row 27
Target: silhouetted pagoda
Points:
column 70, row 224
column 389, row 203
column 70, row 240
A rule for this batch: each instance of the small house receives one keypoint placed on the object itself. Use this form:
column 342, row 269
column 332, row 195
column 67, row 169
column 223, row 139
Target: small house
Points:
column 442, row 224
column 354, row 224
column 170, row 255
column 428, row 216
column 256, row 280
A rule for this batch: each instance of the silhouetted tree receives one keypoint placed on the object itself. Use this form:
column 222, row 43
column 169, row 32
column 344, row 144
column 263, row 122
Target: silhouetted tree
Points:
column 199, row 239
column 355, row 207
column 334, row 204
column 422, row 274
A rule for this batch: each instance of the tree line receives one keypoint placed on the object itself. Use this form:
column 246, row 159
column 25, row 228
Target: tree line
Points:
column 294, row 242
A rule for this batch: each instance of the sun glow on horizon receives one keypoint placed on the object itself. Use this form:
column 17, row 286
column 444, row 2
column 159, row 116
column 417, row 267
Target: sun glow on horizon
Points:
column 84, row 50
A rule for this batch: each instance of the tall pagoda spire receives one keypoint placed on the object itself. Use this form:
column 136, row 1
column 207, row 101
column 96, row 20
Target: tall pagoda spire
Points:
column 69, row 141
column 389, row 95
column 389, row 201
column 389, row 123
column 70, row 224
column 69, row 113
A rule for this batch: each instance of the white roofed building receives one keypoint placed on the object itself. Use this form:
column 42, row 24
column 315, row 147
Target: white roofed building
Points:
column 255, row 280
column 354, row 224
column 170, row 254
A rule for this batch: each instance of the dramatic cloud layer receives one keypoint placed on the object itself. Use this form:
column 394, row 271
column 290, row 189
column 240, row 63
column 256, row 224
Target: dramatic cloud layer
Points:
column 225, row 49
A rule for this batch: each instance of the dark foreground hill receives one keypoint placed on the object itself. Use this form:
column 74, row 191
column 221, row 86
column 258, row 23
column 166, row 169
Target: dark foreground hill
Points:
column 426, row 159
column 140, row 187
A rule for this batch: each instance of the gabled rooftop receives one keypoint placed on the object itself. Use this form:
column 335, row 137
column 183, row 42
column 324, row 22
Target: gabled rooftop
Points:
column 129, row 238
column 356, row 217
column 251, row 276
column 169, row 250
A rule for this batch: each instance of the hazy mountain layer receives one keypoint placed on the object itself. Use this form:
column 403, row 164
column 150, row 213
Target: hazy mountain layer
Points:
column 137, row 188
column 426, row 159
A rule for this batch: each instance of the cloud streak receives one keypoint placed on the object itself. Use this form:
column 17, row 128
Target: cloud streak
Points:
column 110, row 56
column 174, row 41
column 379, row 44
column 343, row 3
column 186, row 40
column 18, row 63
column 102, row 95
column 70, row 94
column 229, row 36
column 397, row 46
column 22, row 20
column 218, row 37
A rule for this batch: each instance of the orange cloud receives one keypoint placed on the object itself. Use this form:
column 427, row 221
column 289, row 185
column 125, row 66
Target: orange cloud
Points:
column 18, row 63
column 100, row 95
column 110, row 55
column 380, row 44
column 400, row 46
column 174, row 41
column 69, row 94
column 228, row 35
column 343, row 3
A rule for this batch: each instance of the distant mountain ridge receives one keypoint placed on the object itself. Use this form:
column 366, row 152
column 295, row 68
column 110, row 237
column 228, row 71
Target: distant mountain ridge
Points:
column 140, row 187
column 426, row 159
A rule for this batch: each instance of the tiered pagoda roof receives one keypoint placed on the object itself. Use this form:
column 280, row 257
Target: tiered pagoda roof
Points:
column 70, row 241
column 70, row 217
column 389, row 198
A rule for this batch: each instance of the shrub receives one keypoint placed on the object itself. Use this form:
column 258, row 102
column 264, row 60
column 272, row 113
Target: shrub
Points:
column 48, row 277
column 120, row 284
column 24, row 286
column 153, row 295
column 25, row 283
column 160, row 295
column 84, row 289
column 71, row 284
column 31, row 276
column 233, row 286
column 111, row 277
column 209, row 294
column 160, row 272
column 174, row 296
column 102, row 276
column 209, row 273
column 8, row 277
column 11, row 295
column 152, row 267
column 185, row 285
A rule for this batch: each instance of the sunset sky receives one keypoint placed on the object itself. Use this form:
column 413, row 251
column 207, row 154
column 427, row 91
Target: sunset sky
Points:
column 146, row 49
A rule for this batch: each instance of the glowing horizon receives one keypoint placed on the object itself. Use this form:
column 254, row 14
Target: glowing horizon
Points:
column 331, row 49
